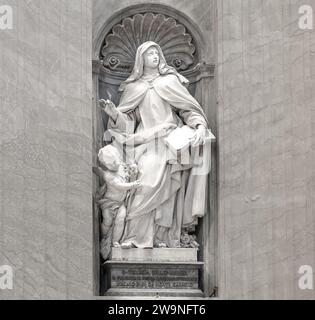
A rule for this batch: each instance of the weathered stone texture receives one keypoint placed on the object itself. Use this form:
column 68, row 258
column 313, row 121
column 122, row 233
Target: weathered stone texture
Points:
column 45, row 149
column 201, row 12
column 266, row 140
column 266, row 70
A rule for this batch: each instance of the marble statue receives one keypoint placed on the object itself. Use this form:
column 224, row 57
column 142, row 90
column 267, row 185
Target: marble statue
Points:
column 118, row 180
column 169, row 195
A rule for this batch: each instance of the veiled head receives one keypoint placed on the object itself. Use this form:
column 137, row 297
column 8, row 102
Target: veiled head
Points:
column 157, row 60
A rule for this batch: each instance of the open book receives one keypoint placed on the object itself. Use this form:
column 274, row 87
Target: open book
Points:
column 180, row 138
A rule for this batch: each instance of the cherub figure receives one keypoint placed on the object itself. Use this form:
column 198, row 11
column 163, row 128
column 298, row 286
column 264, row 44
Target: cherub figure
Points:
column 155, row 102
column 118, row 179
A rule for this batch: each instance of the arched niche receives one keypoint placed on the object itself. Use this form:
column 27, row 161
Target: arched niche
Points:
column 113, row 57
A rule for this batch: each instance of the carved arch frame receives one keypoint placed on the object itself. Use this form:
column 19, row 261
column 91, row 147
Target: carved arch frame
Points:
column 202, row 77
column 157, row 8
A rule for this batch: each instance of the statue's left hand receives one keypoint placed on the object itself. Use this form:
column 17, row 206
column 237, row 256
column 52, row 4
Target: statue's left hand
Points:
column 200, row 136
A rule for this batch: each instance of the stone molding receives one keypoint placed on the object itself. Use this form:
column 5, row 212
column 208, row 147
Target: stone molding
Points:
column 120, row 46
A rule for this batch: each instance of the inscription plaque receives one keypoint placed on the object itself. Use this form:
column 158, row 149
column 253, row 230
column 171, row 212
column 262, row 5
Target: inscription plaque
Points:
column 153, row 275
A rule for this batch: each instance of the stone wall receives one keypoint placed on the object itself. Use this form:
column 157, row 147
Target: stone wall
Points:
column 266, row 138
column 45, row 149
column 266, row 70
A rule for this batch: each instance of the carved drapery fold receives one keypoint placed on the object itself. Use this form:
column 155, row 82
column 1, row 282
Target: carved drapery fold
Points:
column 184, row 48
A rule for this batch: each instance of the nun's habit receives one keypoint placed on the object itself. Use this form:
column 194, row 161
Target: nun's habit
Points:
column 172, row 196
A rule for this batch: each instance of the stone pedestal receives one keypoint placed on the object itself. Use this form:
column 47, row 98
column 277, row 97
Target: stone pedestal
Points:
column 153, row 272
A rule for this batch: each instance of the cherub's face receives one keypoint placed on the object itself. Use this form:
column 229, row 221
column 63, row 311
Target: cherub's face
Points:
column 112, row 165
column 151, row 58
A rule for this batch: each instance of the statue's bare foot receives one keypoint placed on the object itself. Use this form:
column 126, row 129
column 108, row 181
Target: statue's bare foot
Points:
column 116, row 245
column 127, row 245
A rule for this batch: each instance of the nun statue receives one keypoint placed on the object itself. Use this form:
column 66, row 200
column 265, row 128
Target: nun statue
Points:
column 171, row 195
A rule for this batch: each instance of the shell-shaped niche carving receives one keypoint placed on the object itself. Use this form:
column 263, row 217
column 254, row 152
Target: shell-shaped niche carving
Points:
column 121, row 44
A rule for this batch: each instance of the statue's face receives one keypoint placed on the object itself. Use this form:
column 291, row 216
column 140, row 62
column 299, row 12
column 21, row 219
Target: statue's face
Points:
column 151, row 58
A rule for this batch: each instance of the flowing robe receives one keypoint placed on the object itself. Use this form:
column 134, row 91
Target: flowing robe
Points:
column 171, row 197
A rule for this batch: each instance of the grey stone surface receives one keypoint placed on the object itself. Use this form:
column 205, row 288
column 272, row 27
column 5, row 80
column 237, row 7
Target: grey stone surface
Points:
column 201, row 12
column 155, row 254
column 266, row 139
column 114, row 49
column 46, row 150
column 157, row 294
column 144, row 278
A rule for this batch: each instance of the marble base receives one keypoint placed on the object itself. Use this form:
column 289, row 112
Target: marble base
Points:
column 156, row 254
column 153, row 272
column 155, row 294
